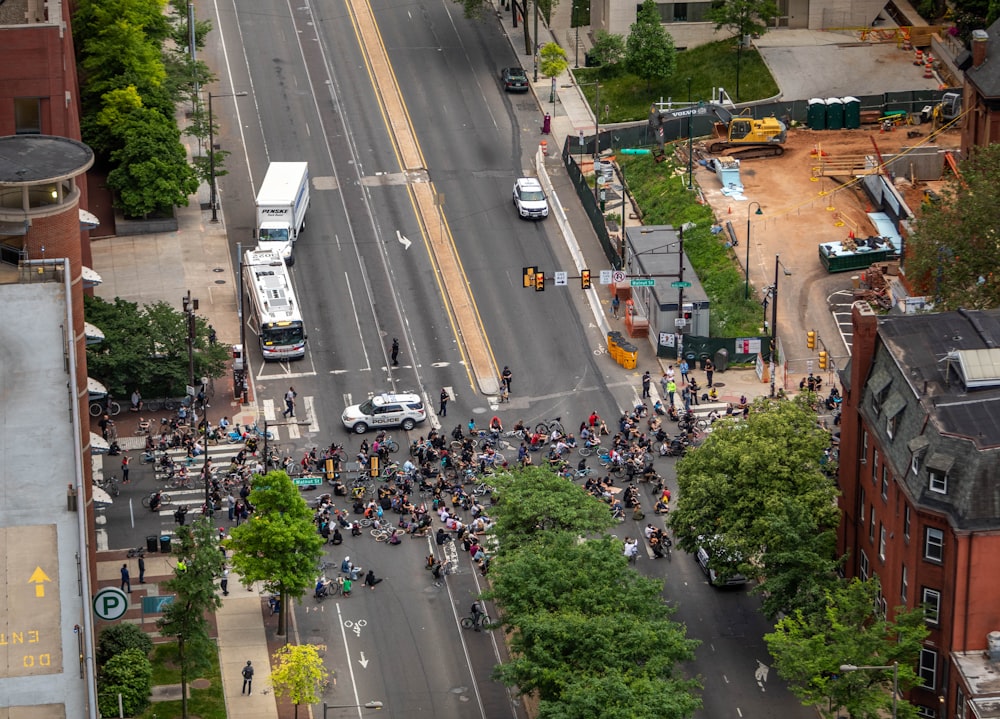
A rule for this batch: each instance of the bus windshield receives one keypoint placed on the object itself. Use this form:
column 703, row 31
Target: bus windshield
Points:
column 290, row 334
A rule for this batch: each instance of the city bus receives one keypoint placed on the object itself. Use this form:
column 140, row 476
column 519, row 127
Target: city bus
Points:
column 273, row 306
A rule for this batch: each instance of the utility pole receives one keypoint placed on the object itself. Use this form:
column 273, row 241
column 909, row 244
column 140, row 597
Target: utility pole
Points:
column 534, row 49
column 190, row 307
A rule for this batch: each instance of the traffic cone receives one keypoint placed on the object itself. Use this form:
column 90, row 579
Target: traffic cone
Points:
column 928, row 69
column 918, row 58
column 730, row 209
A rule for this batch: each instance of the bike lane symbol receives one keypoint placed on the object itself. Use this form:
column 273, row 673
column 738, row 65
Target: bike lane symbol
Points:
column 355, row 626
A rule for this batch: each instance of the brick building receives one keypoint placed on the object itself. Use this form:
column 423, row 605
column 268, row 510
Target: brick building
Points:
column 920, row 483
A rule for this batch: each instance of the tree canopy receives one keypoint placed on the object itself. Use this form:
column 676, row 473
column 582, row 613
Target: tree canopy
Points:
column 757, row 489
column 649, row 49
column 279, row 545
column 552, row 60
column 298, row 674
column 146, row 348
column 953, row 254
column 743, row 17
column 809, row 649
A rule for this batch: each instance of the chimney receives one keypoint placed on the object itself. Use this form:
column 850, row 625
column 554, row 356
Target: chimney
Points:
column 980, row 42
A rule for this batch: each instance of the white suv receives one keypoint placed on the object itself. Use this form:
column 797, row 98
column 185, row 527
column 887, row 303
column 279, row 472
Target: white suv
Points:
column 385, row 410
column 529, row 198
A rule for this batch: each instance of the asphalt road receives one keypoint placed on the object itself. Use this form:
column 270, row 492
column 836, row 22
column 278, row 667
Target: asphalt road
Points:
column 359, row 286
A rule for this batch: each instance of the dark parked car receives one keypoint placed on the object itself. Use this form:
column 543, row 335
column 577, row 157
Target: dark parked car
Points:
column 514, row 79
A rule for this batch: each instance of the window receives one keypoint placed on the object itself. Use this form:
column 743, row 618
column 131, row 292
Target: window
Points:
column 915, row 463
column 959, row 703
column 28, row 115
column 885, row 483
column 881, row 541
column 928, row 668
column 871, row 525
column 861, row 507
column 931, row 600
column 906, row 522
column 863, row 565
column 892, row 424
column 904, row 585
column 875, row 465
column 933, row 544
column 864, row 446
column 926, row 712
column 937, row 482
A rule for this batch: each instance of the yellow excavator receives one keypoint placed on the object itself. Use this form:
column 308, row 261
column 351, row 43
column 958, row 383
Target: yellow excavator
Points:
column 745, row 136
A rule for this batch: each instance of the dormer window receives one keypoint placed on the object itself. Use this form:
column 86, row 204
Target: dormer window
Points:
column 880, row 389
column 938, row 467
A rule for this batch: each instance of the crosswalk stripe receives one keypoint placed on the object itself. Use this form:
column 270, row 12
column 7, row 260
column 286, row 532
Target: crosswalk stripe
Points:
column 268, row 405
column 293, row 431
column 308, row 403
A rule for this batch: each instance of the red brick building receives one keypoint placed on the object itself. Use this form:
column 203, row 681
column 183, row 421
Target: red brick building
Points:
column 920, row 483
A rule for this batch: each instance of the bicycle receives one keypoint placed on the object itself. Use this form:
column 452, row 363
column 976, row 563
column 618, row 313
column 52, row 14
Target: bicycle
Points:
column 389, row 445
column 589, row 449
column 155, row 405
column 136, row 552
column 100, row 406
column 482, row 489
column 382, row 534
column 552, row 425
column 255, row 431
column 475, row 621
column 164, row 499
column 109, row 485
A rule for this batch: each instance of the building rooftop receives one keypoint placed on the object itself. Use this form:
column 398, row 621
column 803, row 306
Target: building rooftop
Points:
column 947, row 360
column 655, row 250
column 32, row 159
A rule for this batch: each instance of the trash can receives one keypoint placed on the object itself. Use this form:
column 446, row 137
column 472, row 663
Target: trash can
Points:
column 816, row 114
column 701, row 362
column 165, row 544
column 151, row 543
column 630, row 354
column 721, row 359
column 690, row 360
column 547, row 124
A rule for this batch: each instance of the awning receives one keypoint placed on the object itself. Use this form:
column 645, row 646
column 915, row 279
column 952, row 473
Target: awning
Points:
column 940, row 462
column 918, row 445
column 98, row 445
column 92, row 333
column 894, row 405
column 90, row 277
column 879, row 381
column 88, row 221
column 96, row 389
column 100, row 496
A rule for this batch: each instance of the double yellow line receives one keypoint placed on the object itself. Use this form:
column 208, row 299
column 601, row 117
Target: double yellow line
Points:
column 463, row 314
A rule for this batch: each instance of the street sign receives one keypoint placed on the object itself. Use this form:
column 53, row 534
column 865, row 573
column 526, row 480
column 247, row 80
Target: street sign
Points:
column 678, row 285
column 680, row 322
column 307, row 481
column 606, row 277
column 110, row 603
column 642, row 282
column 561, row 279
column 619, row 276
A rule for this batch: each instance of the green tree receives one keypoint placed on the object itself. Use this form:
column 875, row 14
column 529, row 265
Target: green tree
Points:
column 953, row 254
column 649, row 48
column 744, row 18
column 199, row 562
column 809, row 649
column 608, row 51
column 298, row 674
column 753, row 484
column 118, row 637
column 152, row 172
column 279, row 545
column 552, row 60
column 146, row 348
column 533, row 500
column 130, row 675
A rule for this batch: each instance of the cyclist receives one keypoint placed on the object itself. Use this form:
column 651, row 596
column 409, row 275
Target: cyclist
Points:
column 496, row 427
column 155, row 501
column 477, row 616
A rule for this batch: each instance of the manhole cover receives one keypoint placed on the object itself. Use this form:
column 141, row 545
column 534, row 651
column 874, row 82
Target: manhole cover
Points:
column 220, row 282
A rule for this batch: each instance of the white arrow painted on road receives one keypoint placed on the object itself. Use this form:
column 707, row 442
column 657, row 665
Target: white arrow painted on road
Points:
column 362, row 661
column 402, row 240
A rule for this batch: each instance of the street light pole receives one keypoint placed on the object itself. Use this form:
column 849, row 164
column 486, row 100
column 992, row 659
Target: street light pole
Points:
column 746, row 286
column 774, row 321
column 190, row 307
column 213, row 197
column 535, row 38
column 895, row 678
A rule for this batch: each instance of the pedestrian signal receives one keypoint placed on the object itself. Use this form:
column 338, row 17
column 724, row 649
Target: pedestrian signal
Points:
column 585, row 279
column 539, row 282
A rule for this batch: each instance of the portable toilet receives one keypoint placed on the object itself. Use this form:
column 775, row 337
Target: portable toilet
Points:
column 816, row 114
column 834, row 113
column 852, row 113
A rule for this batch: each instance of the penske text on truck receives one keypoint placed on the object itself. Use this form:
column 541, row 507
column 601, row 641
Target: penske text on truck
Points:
column 282, row 202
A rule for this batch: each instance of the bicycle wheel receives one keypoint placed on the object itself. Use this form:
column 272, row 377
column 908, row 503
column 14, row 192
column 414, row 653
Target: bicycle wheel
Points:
column 365, row 522
column 169, row 405
column 456, row 446
column 380, row 535
column 542, row 428
column 96, row 409
column 391, row 445
column 114, row 409
column 618, row 471
column 498, row 459
column 151, row 405
column 145, row 502
column 467, row 623
column 586, row 451
column 504, row 444
column 556, row 425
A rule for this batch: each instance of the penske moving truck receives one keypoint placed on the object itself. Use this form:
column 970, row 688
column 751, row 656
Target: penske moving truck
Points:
column 282, row 202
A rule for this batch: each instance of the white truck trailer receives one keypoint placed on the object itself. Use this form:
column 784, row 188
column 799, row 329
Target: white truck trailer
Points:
column 282, row 202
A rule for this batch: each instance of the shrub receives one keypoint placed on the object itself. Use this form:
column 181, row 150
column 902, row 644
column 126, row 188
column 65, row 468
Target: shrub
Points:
column 119, row 638
column 129, row 674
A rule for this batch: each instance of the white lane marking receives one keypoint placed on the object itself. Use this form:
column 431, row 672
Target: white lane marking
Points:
column 268, row 405
column 310, row 405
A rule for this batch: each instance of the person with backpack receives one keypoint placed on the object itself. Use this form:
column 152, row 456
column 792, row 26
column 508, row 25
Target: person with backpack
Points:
column 247, row 678
column 477, row 616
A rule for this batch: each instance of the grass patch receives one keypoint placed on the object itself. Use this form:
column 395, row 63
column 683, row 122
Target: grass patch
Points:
column 708, row 66
column 204, row 703
column 665, row 200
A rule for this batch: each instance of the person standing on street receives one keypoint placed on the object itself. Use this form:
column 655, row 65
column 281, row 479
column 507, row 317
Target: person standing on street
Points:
column 247, row 679
column 646, row 382
column 290, row 396
column 615, row 304
column 395, row 351
column 125, row 462
column 224, row 583
column 709, row 371
column 684, row 371
column 443, row 409
column 126, row 585
column 505, row 377
column 671, row 389
column 142, row 570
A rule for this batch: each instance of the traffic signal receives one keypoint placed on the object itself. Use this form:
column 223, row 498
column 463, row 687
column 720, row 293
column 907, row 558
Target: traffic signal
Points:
column 585, row 279
column 539, row 282
column 822, row 359
column 528, row 276
column 811, row 339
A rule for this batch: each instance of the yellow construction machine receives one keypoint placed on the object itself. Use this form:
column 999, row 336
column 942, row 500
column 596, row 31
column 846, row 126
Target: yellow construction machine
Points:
column 745, row 136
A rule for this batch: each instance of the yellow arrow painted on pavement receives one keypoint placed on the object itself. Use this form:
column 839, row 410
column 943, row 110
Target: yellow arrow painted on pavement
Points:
column 37, row 577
